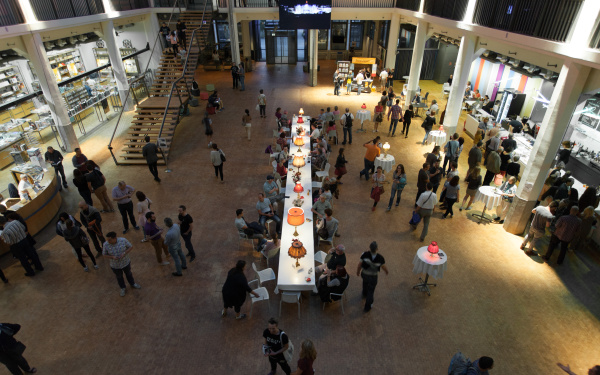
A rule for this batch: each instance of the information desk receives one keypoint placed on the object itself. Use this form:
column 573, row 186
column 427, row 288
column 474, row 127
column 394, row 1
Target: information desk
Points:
column 43, row 207
column 290, row 277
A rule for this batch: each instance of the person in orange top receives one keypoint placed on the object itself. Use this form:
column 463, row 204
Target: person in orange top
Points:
column 372, row 152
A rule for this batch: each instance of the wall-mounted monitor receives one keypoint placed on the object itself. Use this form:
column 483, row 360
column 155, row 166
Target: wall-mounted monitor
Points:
column 307, row 14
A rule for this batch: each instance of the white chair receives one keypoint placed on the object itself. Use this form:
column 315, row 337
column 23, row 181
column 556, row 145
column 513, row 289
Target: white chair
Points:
column 274, row 164
column 263, row 295
column 324, row 172
column 244, row 238
column 290, row 297
column 264, row 275
column 317, row 184
column 330, row 239
column 341, row 300
column 446, row 89
column 320, row 256
column 273, row 156
column 278, row 148
column 271, row 253
column 275, row 133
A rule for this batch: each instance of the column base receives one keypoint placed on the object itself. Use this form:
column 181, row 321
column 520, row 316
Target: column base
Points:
column 313, row 77
column 519, row 215
column 67, row 135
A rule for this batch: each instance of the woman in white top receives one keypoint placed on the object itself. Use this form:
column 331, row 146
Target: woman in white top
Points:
column 377, row 189
column 24, row 187
column 143, row 207
column 247, row 122
column 215, row 158
column 262, row 104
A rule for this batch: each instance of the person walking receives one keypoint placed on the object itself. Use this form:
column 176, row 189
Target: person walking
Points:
column 217, row 158
column 377, row 188
column 473, row 183
column 77, row 238
column 276, row 342
column 154, row 232
column 165, row 31
column 336, row 83
column 307, row 357
column 173, row 243
column 55, row 158
column 359, row 81
column 346, row 122
column 379, row 112
column 422, row 180
column 234, row 75
column 208, row 129
column 340, row 166
column 235, row 289
column 174, row 46
column 143, row 207
column 398, row 184
column 396, row 114
column 408, row 115
column 242, row 77
column 11, row 350
column 493, row 167
column 451, row 149
column 91, row 219
column 122, row 194
column 428, row 125
column 150, row 152
column 117, row 250
column 370, row 155
column 542, row 219
column 247, row 122
column 452, row 189
column 369, row 265
column 97, row 185
column 262, row 104
column 425, row 207
column 14, row 234
column 181, row 30
column 81, row 184
column 186, row 224
column 567, row 227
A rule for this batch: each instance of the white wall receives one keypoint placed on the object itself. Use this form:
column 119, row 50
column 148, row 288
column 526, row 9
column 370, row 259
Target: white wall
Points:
column 138, row 37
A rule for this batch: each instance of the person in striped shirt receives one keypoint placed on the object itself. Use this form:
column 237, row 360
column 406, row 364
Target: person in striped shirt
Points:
column 14, row 234
column 396, row 113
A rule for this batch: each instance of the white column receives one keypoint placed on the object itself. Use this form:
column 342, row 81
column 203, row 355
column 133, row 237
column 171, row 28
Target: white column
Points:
column 233, row 35
column 108, row 35
column 39, row 59
column 313, row 56
column 27, row 10
column 417, row 58
column 468, row 18
column 459, row 82
column 564, row 99
column 152, row 29
column 584, row 25
column 246, row 40
column 392, row 45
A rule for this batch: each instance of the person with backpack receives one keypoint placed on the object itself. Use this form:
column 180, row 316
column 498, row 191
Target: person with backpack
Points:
column 427, row 124
column 217, row 157
column 346, row 122
column 234, row 75
column 451, row 149
column 276, row 344
column 97, row 184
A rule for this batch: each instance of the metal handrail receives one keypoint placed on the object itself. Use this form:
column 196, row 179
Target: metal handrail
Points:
column 174, row 85
column 110, row 149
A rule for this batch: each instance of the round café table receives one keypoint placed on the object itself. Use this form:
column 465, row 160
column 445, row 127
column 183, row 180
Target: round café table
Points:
column 385, row 162
column 362, row 115
column 490, row 197
column 429, row 264
column 437, row 137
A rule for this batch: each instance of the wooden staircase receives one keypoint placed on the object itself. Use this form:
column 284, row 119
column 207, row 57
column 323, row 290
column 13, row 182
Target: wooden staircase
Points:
column 150, row 112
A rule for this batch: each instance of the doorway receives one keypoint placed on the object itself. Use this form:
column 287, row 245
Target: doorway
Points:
column 281, row 50
column 281, row 47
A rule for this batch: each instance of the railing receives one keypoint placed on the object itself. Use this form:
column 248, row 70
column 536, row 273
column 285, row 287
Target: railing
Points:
column 10, row 13
column 546, row 19
column 408, row 4
column 58, row 9
column 364, row 4
column 121, row 5
column 451, row 9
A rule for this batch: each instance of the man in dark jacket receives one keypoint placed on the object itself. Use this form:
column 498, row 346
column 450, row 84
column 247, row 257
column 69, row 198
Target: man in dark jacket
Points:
column 493, row 166
column 90, row 218
column 475, row 155
column 181, row 29
column 55, row 158
column 150, row 151
column 11, row 350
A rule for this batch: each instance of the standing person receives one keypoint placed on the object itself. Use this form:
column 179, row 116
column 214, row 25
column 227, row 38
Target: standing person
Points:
column 117, row 250
column 383, row 78
column 143, row 207
column 475, row 155
column 91, row 219
column 588, row 220
column 276, row 342
column 81, row 184
column 349, row 84
column 174, row 46
column 451, row 148
column 336, row 85
column 247, row 122
column 377, row 189
column 398, row 184
column 452, row 189
column 14, row 234
column 242, row 77
column 153, row 231
column 473, row 180
column 77, row 238
column 55, row 158
column 97, row 185
column 262, row 104
column 542, row 219
column 11, row 350
column 234, row 75
column 435, row 175
column 181, row 29
column 174, row 245
column 508, row 189
column 216, row 157
column 422, row 181
column 396, row 113
column 307, row 357
column 346, row 122
column 408, row 115
column 186, row 224
column 390, row 79
column 428, row 125
column 340, row 165
column 425, row 207
column 359, row 81
column 567, row 227
column 122, row 194
column 493, row 167
column 79, row 161
column 165, row 31
column 369, row 266
column 235, row 289
column 208, row 129
column 150, row 152
column 370, row 155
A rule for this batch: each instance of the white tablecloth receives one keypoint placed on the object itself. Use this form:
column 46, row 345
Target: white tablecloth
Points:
column 387, row 163
column 434, row 265
column 437, row 137
column 363, row 114
column 489, row 197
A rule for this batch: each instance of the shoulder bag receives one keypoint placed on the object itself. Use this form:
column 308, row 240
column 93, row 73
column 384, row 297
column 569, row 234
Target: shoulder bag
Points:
column 289, row 353
column 223, row 159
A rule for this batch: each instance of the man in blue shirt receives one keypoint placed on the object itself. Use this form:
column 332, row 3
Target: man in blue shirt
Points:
column 481, row 366
column 174, row 245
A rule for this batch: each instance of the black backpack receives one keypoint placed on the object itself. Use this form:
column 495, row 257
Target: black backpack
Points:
column 348, row 120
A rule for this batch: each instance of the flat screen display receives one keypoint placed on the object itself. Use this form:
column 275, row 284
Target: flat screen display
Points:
column 307, row 14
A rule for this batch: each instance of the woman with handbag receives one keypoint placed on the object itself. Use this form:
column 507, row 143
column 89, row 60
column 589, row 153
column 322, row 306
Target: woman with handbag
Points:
column 397, row 186
column 143, row 207
column 217, row 157
column 377, row 189
column 340, row 166
column 247, row 122
column 452, row 189
column 378, row 116
column 11, row 350
column 78, row 239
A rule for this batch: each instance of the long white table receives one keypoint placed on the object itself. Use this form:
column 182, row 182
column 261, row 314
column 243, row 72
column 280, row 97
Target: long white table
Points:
column 291, row 278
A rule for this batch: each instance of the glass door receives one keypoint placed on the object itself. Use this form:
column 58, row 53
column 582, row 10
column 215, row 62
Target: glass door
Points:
column 281, row 50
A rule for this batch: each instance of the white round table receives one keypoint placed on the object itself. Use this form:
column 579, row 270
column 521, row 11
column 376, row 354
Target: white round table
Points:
column 363, row 114
column 429, row 264
column 385, row 162
column 490, row 198
column 437, row 137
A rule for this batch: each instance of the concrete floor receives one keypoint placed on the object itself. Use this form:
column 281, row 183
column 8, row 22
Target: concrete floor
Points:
column 493, row 300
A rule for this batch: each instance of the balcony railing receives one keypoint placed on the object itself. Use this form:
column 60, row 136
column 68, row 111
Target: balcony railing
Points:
column 121, row 5
column 546, row 19
column 10, row 13
column 46, row 10
column 335, row 3
column 451, row 9
column 364, row 3
column 408, row 4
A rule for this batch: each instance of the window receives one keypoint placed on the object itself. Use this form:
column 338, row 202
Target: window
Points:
column 302, row 44
column 356, row 34
column 338, row 35
column 322, row 39
column 383, row 33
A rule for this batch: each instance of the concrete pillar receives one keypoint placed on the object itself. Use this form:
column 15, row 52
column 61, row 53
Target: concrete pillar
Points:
column 390, row 58
column 233, row 35
column 459, row 82
column 568, row 88
column 417, row 58
column 108, row 35
column 313, row 56
column 374, row 45
column 246, row 40
column 39, row 59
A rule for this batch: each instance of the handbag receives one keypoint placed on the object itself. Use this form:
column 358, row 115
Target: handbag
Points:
column 222, row 156
column 258, row 107
column 340, row 171
column 289, row 353
column 415, row 219
column 322, row 232
column 84, row 239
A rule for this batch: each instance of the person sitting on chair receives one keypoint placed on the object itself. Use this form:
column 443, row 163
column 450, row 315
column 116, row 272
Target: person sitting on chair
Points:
column 416, row 99
column 333, row 281
column 215, row 101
